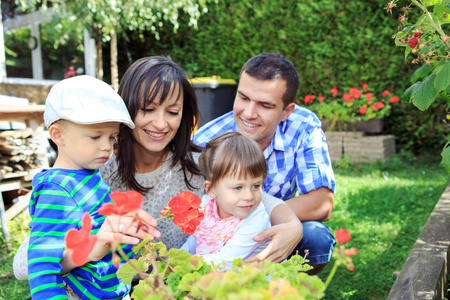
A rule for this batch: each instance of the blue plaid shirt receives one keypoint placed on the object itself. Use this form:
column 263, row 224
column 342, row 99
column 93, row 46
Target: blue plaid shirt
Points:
column 297, row 157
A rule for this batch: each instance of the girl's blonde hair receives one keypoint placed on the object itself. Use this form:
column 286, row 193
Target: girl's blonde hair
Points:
column 232, row 154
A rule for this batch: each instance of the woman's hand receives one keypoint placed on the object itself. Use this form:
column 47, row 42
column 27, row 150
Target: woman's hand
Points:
column 285, row 237
column 124, row 229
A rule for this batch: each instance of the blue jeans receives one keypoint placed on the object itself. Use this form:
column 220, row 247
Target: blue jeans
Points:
column 318, row 239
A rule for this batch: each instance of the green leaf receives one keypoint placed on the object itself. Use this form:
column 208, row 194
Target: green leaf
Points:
column 408, row 95
column 445, row 163
column 425, row 93
column 421, row 73
column 442, row 78
column 188, row 281
column 439, row 12
column 126, row 272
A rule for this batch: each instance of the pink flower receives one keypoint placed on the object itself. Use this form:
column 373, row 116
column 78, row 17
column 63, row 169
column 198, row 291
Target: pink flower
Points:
column 70, row 73
column 369, row 97
column 394, row 99
column 365, row 86
column 385, row 93
column 334, row 92
column 347, row 97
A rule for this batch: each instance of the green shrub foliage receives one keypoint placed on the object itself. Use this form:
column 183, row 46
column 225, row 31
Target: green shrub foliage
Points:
column 332, row 44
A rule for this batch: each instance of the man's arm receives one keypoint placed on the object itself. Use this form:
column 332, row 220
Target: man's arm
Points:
column 317, row 205
column 286, row 232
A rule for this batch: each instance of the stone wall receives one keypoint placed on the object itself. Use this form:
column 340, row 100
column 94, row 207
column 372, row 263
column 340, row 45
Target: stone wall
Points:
column 360, row 147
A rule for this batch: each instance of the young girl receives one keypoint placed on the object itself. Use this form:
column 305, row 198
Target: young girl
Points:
column 234, row 168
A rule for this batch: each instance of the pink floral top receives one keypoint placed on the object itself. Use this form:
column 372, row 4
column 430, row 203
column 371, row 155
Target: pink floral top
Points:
column 213, row 232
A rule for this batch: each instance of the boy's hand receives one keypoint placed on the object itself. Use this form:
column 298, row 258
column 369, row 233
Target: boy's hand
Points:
column 125, row 229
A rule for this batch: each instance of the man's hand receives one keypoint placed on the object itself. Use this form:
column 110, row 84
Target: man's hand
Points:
column 285, row 237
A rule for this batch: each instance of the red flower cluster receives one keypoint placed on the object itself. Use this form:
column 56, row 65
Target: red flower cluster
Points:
column 309, row 98
column 362, row 110
column 123, row 203
column 80, row 241
column 342, row 236
column 394, row 99
column 185, row 210
column 377, row 105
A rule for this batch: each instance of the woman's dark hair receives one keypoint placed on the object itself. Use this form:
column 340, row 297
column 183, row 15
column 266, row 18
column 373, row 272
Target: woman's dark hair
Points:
column 142, row 82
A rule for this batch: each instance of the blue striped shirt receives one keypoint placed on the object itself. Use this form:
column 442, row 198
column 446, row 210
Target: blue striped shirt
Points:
column 59, row 200
column 297, row 157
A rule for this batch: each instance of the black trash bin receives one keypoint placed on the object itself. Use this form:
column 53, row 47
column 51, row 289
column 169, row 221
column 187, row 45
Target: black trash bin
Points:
column 215, row 97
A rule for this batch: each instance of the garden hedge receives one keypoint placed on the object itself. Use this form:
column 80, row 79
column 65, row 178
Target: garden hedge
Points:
column 332, row 44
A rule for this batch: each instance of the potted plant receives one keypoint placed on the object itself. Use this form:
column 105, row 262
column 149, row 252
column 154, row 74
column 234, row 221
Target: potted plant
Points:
column 352, row 109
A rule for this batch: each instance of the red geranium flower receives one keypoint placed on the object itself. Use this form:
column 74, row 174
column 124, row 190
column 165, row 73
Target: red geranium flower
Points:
column 309, row 98
column 321, row 98
column 362, row 110
column 378, row 105
column 185, row 211
column 385, row 93
column 355, row 92
column 347, row 97
column 334, row 92
column 123, row 203
column 342, row 236
column 80, row 241
column 394, row 99
column 369, row 97
column 365, row 86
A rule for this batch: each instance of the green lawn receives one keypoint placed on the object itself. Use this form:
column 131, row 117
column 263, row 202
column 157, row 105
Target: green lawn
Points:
column 383, row 205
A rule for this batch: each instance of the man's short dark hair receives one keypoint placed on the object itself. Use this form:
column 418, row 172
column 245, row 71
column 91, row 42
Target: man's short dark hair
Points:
column 268, row 66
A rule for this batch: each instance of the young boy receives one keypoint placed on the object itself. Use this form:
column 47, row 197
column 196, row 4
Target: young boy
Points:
column 83, row 115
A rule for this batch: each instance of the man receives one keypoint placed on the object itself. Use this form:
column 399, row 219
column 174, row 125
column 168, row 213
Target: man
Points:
column 298, row 163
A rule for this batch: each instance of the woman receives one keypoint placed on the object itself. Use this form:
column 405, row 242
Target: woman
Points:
column 158, row 158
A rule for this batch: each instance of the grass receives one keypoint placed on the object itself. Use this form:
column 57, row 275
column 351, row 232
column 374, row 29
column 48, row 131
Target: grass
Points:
column 383, row 205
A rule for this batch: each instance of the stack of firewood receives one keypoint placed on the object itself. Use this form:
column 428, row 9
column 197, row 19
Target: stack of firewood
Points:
column 18, row 151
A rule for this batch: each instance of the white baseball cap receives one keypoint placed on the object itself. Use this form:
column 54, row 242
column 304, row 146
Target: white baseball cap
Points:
column 85, row 100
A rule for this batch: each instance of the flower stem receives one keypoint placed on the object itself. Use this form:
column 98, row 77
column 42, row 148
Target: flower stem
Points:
column 141, row 274
column 427, row 13
column 330, row 276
